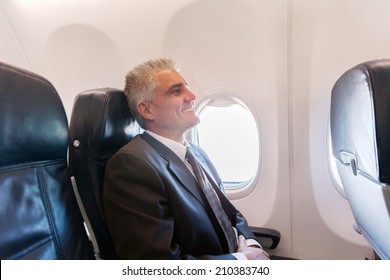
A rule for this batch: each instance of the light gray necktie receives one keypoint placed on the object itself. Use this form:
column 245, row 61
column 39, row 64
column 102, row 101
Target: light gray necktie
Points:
column 213, row 200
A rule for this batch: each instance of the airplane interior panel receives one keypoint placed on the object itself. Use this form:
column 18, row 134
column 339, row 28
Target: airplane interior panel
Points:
column 279, row 58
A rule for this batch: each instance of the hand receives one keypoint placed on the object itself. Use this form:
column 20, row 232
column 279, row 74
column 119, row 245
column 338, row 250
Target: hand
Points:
column 251, row 253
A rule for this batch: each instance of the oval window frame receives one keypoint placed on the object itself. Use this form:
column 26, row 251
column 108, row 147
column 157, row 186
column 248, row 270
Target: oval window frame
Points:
column 225, row 94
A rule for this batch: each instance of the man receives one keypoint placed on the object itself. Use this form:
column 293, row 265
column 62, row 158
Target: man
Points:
column 155, row 205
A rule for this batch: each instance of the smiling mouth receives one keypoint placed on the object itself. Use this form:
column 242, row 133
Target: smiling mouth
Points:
column 187, row 110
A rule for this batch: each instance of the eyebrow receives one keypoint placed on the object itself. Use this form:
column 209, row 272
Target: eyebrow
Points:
column 177, row 85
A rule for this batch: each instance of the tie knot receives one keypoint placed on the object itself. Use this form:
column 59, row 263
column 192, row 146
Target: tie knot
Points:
column 190, row 154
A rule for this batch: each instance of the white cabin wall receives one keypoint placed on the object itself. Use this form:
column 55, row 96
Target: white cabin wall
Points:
column 283, row 56
column 329, row 37
column 243, row 45
column 10, row 49
column 80, row 45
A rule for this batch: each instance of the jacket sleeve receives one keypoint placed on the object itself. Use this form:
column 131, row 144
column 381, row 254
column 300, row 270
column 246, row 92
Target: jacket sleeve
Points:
column 137, row 211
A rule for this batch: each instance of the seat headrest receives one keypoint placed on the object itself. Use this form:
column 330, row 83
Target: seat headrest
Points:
column 99, row 117
column 35, row 98
column 360, row 118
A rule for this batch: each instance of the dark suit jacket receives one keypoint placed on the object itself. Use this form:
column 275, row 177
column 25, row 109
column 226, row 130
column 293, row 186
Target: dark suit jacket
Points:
column 155, row 209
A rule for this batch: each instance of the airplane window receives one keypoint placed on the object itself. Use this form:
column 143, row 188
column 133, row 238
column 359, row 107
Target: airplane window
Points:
column 229, row 135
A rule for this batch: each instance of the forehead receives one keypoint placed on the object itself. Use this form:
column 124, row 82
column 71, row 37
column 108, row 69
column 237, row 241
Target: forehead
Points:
column 168, row 78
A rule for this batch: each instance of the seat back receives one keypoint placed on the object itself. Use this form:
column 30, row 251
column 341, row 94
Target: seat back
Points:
column 360, row 133
column 39, row 217
column 100, row 124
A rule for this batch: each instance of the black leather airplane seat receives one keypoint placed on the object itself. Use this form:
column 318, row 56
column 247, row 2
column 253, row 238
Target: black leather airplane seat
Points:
column 39, row 216
column 100, row 124
column 360, row 133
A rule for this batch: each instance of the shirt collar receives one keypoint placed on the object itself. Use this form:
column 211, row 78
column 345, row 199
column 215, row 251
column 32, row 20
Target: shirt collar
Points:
column 176, row 147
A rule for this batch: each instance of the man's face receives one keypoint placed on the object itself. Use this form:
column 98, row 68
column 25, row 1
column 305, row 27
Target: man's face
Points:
column 171, row 111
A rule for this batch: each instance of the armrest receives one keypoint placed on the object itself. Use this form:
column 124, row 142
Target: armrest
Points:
column 268, row 238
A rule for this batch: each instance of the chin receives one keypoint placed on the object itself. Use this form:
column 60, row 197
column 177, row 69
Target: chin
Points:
column 196, row 122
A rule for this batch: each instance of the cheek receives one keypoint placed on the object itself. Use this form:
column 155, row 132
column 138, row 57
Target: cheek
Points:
column 167, row 114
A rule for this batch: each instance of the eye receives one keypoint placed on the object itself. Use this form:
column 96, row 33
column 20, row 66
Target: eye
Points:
column 176, row 90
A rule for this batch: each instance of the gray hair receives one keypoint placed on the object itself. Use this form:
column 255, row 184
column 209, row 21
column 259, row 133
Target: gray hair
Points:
column 140, row 83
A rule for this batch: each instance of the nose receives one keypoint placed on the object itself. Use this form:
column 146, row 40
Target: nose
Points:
column 190, row 96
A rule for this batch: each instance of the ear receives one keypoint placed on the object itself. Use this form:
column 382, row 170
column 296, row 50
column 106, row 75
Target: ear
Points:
column 145, row 110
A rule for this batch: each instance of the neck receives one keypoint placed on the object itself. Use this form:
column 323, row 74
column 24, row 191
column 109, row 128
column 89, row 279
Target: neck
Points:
column 177, row 138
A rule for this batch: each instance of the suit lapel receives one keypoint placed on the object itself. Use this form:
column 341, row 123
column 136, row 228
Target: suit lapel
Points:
column 229, row 208
column 181, row 172
column 205, row 167
column 176, row 167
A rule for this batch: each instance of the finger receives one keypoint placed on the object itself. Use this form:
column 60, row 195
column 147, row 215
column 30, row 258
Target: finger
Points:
column 266, row 255
column 242, row 239
column 241, row 242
